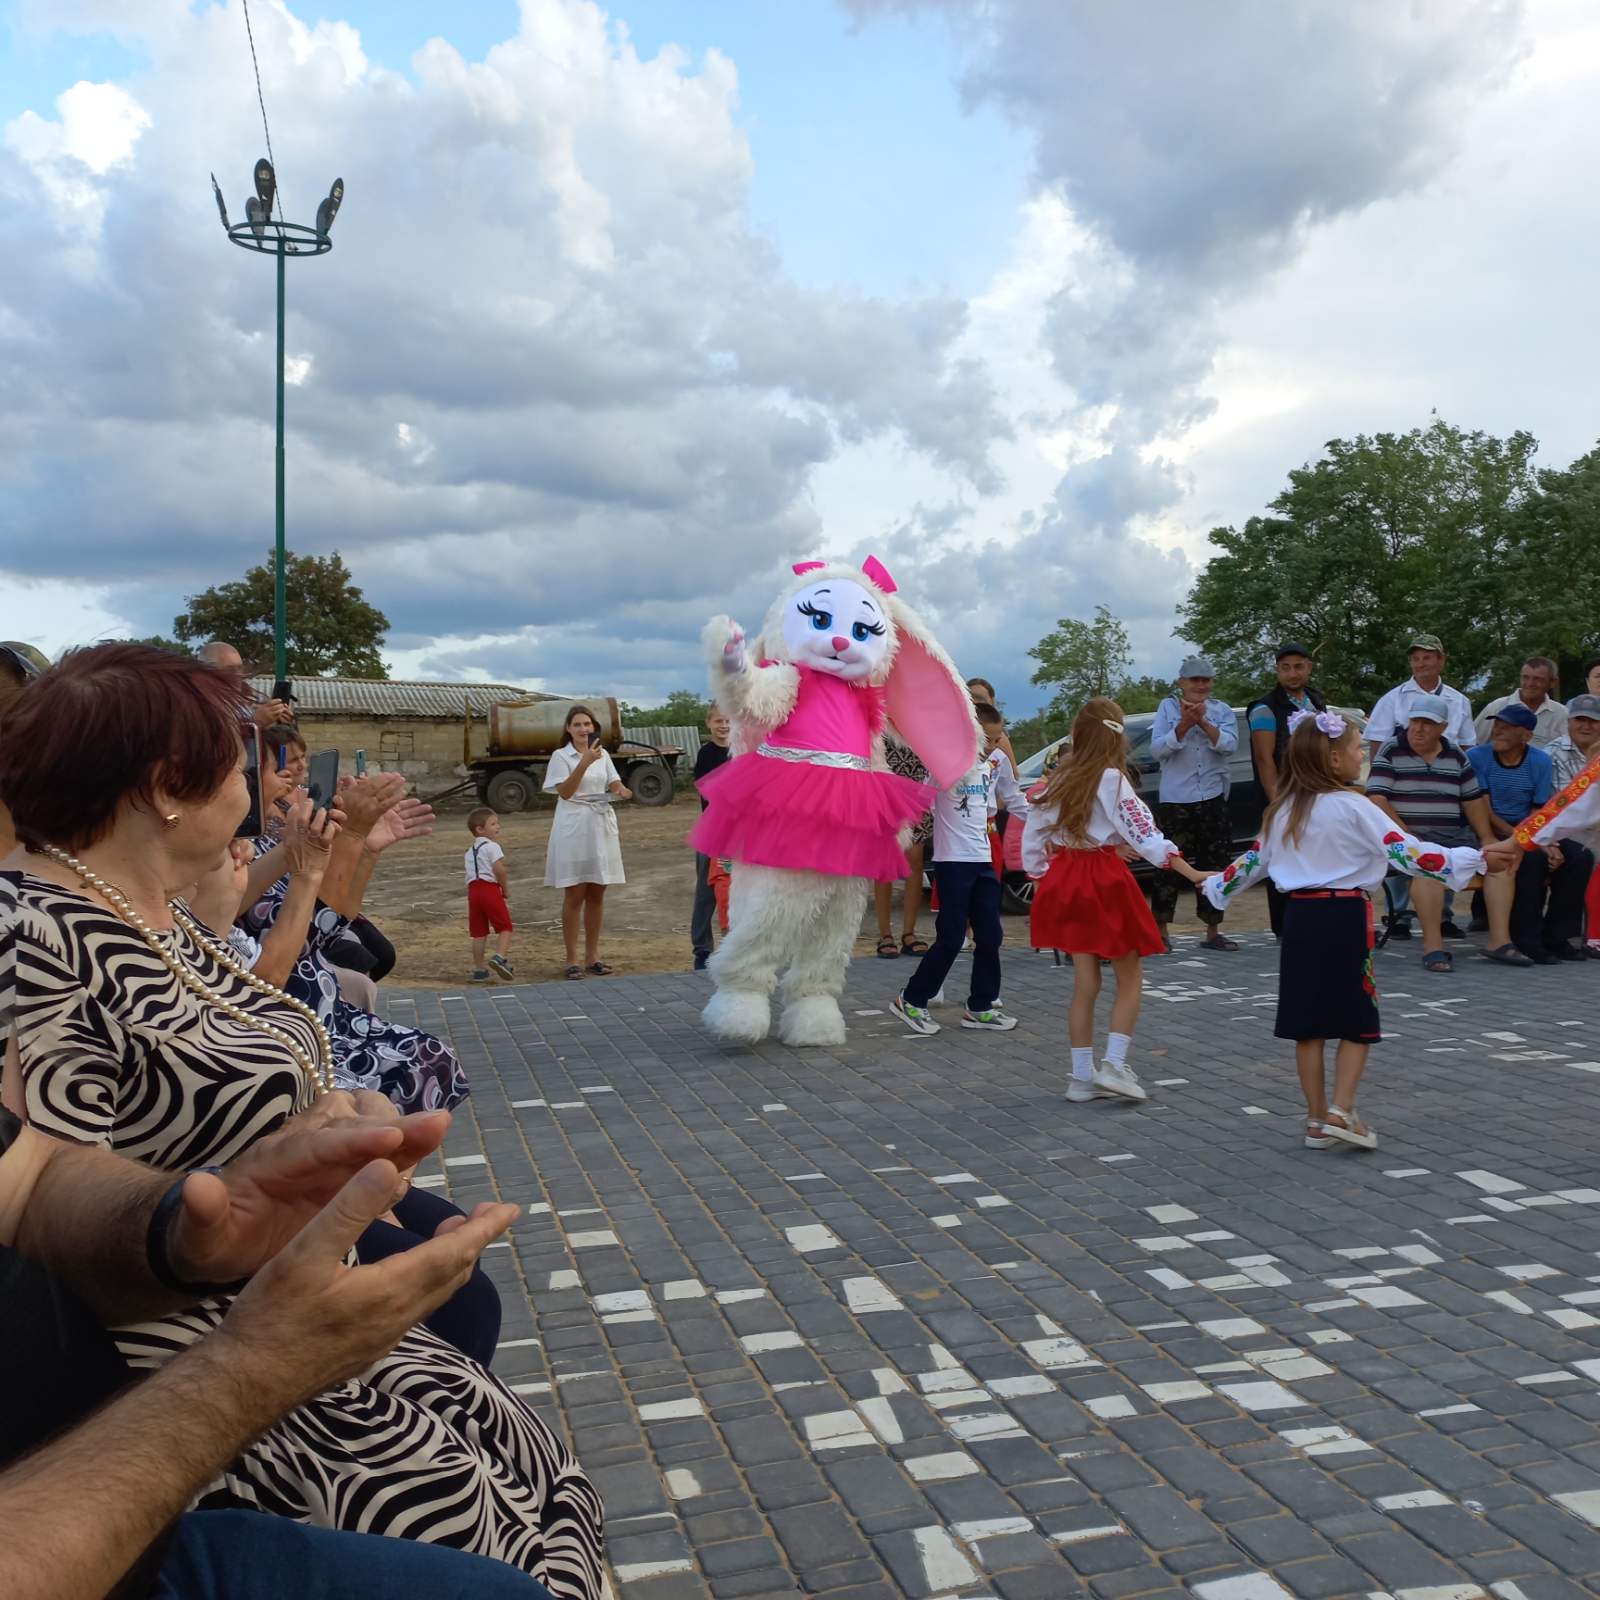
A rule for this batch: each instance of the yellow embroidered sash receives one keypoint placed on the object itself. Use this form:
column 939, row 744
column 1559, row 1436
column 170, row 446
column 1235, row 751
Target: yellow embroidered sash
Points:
column 1555, row 805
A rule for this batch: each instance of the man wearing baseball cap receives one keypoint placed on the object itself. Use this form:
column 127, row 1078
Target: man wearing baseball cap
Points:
column 1570, row 754
column 1391, row 713
column 1268, row 719
column 1547, row 911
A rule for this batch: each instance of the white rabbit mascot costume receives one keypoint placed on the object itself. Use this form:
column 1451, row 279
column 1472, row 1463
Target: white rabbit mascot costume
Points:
column 806, row 809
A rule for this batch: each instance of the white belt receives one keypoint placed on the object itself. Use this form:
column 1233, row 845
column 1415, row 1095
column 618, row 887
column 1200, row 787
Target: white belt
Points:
column 815, row 758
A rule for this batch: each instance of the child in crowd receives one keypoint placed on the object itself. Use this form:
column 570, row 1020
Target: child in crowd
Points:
column 707, row 895
column 1088, row 904
column 488, row 896
column 1324, row 845
column 969, row 890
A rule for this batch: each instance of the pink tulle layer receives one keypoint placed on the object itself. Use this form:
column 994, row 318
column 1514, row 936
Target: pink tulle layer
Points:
column 771, row 813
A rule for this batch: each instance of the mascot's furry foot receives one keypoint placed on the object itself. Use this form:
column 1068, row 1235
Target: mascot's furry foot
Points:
column 811, row 1020
column 741, row 1016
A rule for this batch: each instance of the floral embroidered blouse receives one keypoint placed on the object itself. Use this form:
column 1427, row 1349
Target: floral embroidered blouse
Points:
column 1348, row 843
column 1118, row 816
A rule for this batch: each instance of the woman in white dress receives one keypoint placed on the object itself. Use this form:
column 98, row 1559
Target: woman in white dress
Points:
column 585, row 853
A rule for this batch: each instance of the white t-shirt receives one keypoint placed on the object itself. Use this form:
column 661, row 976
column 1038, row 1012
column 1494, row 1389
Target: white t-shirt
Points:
column 480, row 860
column 961, row 813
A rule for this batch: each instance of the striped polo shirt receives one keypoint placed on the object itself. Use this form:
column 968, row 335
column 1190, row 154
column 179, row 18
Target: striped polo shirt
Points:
column 1426, row 795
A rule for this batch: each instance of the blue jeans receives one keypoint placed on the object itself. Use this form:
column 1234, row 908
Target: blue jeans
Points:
column 969, row 891
column 248, row 1555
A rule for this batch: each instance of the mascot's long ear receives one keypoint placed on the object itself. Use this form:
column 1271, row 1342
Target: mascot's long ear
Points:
column 928, row 703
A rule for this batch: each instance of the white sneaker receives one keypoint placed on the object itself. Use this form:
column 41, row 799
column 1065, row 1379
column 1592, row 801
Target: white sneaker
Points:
column 937, row 1000
column 1082, row 1089
column 994, row 1019
column 914, row 1017
column 1120, row 1080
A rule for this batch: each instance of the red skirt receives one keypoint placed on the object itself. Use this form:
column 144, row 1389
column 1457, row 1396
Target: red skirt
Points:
column 1088, row 904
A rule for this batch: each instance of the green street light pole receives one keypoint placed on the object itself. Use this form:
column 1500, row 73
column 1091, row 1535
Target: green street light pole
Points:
column 261, row 233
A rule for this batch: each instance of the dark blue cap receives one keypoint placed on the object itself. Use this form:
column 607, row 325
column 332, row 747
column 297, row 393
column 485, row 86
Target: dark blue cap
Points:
column 1518, row 715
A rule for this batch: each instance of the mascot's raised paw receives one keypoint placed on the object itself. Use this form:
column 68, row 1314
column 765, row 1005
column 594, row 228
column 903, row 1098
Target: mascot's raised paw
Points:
column 806, row 805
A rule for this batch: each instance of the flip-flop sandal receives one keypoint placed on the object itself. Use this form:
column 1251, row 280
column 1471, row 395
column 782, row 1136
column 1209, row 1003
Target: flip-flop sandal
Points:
column 911, row 945
column 1347, row 1128
column 599, row 969
column 574, row 972
column 1438, row 961
column 888, row 950
column 1219, row 941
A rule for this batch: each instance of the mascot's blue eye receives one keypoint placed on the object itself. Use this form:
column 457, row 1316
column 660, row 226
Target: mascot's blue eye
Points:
column 861, row 632
column 820, row 620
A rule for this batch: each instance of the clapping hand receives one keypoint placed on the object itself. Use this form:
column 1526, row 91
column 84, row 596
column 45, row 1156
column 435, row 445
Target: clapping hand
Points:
column 411, row 818
column 363, row 800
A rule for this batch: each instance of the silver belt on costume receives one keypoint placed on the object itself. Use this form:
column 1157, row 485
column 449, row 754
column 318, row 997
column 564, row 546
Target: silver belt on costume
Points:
column 815, row 758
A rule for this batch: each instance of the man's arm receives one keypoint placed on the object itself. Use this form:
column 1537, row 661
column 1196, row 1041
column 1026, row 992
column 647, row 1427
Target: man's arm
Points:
column 83, row 1213
column 1165, row 740
column 1381, row 801
column 78, row 1513
column 1480, row 818
column 1263, row 746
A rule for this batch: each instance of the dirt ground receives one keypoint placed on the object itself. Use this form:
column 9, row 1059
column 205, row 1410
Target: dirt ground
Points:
column 418, row 897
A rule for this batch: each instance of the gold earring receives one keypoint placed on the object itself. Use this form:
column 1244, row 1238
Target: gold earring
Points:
column 171, row 820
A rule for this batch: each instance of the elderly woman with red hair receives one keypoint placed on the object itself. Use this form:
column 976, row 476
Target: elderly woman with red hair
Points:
column 139, row 1029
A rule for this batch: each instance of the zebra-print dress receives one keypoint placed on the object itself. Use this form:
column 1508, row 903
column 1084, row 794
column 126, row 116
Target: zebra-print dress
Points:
column 423, row 1445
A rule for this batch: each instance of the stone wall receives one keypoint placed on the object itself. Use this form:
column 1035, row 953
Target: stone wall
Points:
column 423, row 749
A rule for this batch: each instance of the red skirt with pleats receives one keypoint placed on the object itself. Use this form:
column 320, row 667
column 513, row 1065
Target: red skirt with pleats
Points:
column 1088, row 904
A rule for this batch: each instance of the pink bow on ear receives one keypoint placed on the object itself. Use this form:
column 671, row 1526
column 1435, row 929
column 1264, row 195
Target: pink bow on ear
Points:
column 879, row 574
column 807, row 566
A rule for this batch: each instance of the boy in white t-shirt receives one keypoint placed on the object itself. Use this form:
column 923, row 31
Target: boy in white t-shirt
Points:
column 969, row 889
column 488, row 896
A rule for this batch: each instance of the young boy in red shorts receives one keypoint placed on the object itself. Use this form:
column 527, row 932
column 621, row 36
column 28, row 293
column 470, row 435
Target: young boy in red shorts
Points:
column 488, row 903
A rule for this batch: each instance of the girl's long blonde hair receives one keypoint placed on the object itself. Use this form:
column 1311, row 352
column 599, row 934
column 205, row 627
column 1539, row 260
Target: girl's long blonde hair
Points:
column 1098, row 744
column 1307, row 772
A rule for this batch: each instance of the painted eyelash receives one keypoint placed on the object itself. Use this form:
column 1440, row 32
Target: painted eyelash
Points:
column 873, row 627
column 806, row 609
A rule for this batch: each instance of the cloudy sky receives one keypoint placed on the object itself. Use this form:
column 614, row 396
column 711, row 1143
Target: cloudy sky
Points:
column 631, row 307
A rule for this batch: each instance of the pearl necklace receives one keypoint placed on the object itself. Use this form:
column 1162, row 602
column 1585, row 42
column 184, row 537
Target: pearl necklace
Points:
column 319, row 1072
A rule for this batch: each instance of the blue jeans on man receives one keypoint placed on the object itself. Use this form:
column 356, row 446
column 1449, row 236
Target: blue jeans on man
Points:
column 969, row 892
column 249, row 1555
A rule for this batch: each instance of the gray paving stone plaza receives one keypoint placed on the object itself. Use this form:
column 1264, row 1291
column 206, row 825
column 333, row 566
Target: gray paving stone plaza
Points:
column 897, row 1320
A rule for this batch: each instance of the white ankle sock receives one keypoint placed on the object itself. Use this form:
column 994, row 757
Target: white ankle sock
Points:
column 1117, row 1048
column 1083, row 1063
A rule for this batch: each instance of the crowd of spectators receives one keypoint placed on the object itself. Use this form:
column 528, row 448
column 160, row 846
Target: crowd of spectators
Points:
column 249, row 1344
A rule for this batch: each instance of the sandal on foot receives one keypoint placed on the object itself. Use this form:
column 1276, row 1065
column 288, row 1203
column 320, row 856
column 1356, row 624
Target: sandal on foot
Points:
column 1508, row 956
column 888, row 950
column 1219, row 941
column 911, row 945
column 599, row 969
column 1347, row 1128
column 1438, row 961
column 1317, row 1136
column 574, row 972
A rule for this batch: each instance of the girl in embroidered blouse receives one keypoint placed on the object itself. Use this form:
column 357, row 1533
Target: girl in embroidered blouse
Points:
column 1088, row 903
column 1325, row 845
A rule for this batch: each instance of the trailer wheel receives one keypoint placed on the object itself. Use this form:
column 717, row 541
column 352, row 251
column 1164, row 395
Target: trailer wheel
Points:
column 509, row 791
column 651, row 784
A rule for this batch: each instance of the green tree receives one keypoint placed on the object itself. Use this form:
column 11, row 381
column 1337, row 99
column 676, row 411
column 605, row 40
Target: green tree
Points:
column 1383, row 536
column 683, row 708
column 1082, row 659
column 332, row 631
column 160, row 642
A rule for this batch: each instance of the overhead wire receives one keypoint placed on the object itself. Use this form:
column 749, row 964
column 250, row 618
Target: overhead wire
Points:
column 262, row 102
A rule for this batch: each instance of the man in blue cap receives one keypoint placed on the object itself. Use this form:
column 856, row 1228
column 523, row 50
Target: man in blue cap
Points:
column 1547, row 911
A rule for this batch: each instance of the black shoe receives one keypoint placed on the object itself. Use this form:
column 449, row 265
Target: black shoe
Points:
column 1508, row 955
column 1399, row 930
column 1450, row 931
column 1478, row 925
column 1569, row 952
column 1539, row 956
column 701, row 957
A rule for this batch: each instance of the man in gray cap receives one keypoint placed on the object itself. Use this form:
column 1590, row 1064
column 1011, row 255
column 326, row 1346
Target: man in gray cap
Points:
column 1389, row 717
column 1194, row 738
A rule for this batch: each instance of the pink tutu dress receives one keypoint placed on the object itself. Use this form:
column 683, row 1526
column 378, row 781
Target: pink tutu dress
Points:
column 808, row 798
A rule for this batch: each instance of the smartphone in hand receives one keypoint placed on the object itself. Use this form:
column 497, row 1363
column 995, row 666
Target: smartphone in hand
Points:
column 594, row 740
column 361, row 763
column 322, row 778
column 250, row 826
